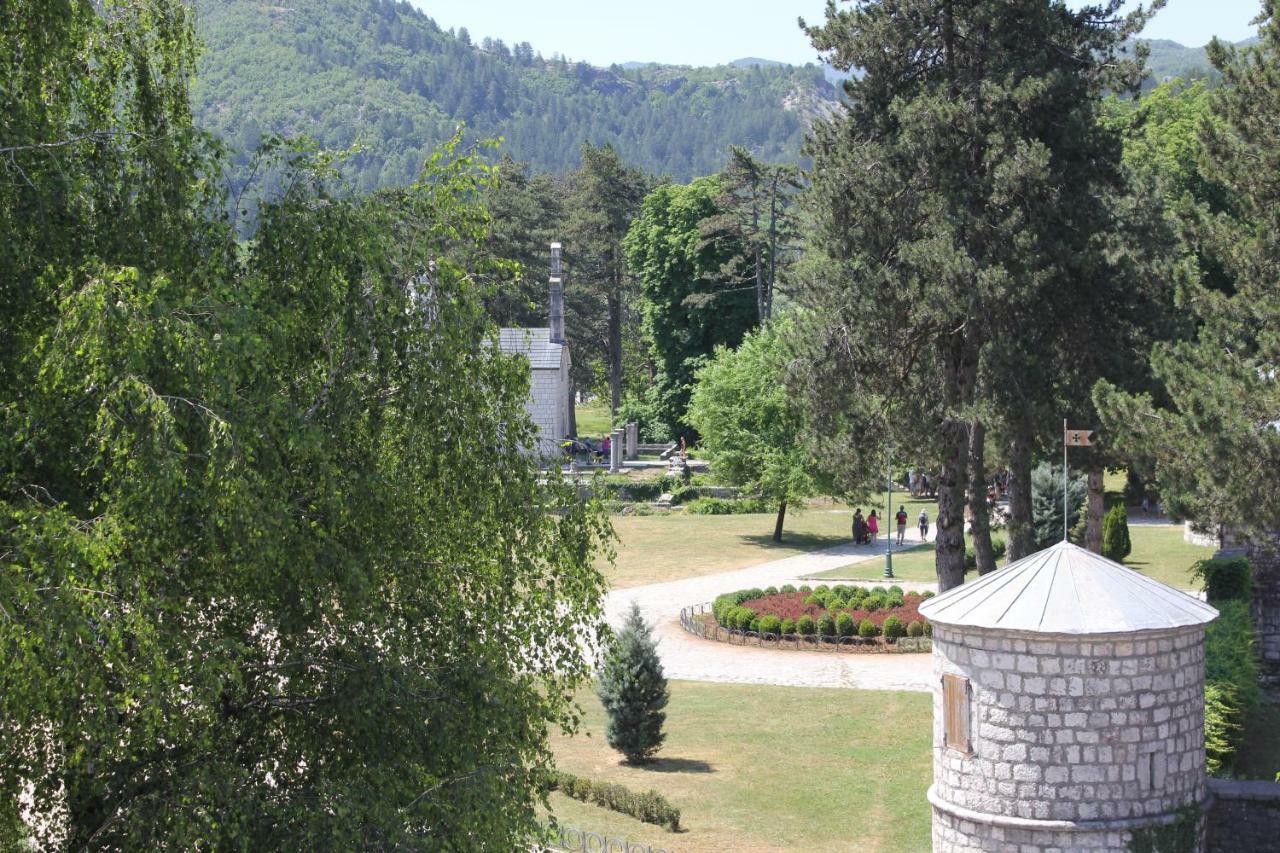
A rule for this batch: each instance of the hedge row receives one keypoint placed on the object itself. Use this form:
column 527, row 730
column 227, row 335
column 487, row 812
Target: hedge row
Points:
column 727, row 506
column 1231, row 692
column 650, row 807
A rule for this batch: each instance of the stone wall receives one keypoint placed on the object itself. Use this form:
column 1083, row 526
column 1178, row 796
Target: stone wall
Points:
column 546, row 406
column 1088, row 737
column 1245, row 817
column 1264, row 559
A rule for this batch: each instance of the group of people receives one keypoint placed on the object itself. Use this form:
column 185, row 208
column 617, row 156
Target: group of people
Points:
column 866, row 529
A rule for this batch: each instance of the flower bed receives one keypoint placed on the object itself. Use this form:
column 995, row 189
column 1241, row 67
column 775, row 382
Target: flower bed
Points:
column 824, row 612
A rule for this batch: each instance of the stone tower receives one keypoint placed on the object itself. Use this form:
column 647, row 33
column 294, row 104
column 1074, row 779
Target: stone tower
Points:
column 1069, row 706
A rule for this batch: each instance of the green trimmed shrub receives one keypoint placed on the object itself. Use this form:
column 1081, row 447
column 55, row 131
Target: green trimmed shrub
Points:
column 725, row 506
column 868, row 629
column 788, row 626
column 814, row 599
column 857, row 595
column 927, row 595
column 806, row 626
column 806, row 588
column 872, row 603
column 915, row 628
column 928, row 629
column 1228, row 579
column 754, row 624
column 649, row 806
column 1115, row 534
column 822, row 587
column 770, row 624
column 896, row 590
column 786, row 587
column 845, row 625
column 893, row 628
column 826, row 625
column 771, row 590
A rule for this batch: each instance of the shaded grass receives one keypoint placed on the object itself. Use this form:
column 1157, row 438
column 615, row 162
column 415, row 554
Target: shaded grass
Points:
column 771, row 768
column 594, row 419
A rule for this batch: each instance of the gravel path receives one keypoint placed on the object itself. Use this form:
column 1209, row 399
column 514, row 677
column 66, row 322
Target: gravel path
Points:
column 689, row 658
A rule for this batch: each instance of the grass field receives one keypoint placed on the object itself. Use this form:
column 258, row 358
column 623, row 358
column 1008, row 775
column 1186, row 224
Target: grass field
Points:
column 593, row 418
column 657, row 548
column 771, row 768
column 1158, row 552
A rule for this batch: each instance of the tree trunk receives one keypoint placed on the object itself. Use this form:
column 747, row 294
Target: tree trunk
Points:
column 979, row 515
column 949, row 542
column 1093, row 521
column 615, row 352
column 1021, row 532
column 777, row 527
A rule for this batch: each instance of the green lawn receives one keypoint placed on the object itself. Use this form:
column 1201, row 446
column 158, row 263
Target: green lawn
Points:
column 771, row 768
column 657, row 548
column 593, row 419
column 1158, row 552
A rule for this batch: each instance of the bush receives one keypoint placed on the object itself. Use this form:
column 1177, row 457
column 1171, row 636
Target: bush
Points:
column 868, row 629
column 742, row 618
column 806, row 626
column 806, row 588
column 725, row 506
column 786, row 587
column 893, row 628
column 857, row 595
column 1225, row 579
column 826, row 625
column 770, row 625
column 1231, row 668
column 788, row 626
column 650, row 806
column 771, row 590
column 822, row 587
column 845, row 625
column 927, row 595
column 928, row 629
column 872, row 603
column 1115, row 534
column 896, row 590
column 915, row 628
column 633, row 690
column 999, row 549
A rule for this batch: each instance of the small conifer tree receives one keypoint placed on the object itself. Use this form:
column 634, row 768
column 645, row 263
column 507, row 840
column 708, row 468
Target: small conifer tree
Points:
column 634, row 691
column 1115, row 534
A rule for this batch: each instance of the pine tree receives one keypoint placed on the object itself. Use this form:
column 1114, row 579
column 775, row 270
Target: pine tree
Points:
column 634, row 691
column 958, row 200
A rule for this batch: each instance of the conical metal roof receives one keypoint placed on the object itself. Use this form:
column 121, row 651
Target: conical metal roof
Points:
column 1067, row 590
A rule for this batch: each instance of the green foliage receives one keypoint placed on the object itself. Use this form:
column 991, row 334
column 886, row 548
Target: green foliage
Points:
column 689, row 307
column 650, row 806
column 1225, row 579
column 788, row 626
column 1231, row 674
column 805, row 626
column 893, row 628
column 245, row 550
column 868, row 629
column 928, row 629
column 770, row 624
column 845, row 625
column 1115, row 534
column 633, row 690
column 750, row 426
column 1046, row 503
column 826, row 625
column 915, row 628
column 730, row 506
column 786, row 587
column 873, row 602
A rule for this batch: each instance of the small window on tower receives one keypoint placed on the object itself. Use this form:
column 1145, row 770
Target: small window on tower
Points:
column 955, row 713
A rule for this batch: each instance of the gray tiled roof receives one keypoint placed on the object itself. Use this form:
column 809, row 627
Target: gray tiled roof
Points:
column 1067, row 590
column 533, row 344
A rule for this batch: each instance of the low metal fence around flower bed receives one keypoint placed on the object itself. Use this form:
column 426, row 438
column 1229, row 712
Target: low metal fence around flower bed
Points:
column 840, row 618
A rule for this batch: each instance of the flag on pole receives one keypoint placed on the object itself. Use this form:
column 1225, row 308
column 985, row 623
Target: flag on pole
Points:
column 1079, row 438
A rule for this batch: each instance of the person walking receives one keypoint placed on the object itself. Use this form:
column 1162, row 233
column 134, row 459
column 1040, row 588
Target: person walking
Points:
column 924, row 524
column 873, row 527
column 901, row 518
column 859, row 527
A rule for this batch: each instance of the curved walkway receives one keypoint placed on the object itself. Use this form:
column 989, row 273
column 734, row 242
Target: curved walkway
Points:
column 688, row 658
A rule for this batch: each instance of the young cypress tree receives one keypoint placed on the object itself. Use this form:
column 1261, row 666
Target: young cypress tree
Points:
column 1116, row 544
column 634, row 691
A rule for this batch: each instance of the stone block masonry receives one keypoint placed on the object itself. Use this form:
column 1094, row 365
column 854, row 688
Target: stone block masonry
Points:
column 1244, row 817
column 1075, row 741
column 1264, row 560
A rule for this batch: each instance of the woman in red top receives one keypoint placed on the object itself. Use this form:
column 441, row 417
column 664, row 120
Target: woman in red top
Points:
column 873, row 526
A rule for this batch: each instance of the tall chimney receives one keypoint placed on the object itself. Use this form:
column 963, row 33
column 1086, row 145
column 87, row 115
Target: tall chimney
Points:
column 557, row 297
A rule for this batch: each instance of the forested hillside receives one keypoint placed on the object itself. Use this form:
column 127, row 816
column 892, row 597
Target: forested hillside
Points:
column 383, row 74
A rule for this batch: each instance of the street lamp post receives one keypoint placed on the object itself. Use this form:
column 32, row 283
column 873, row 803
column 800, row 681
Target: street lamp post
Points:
column 888, row 515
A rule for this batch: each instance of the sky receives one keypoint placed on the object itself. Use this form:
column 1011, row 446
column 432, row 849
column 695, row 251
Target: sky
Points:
column 709, row 32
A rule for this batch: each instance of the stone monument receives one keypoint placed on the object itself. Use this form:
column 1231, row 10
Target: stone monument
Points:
column 1068, row 709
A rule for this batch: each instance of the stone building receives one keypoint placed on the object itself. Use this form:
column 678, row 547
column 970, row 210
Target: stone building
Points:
column 1069, row 708
column 547, row 351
